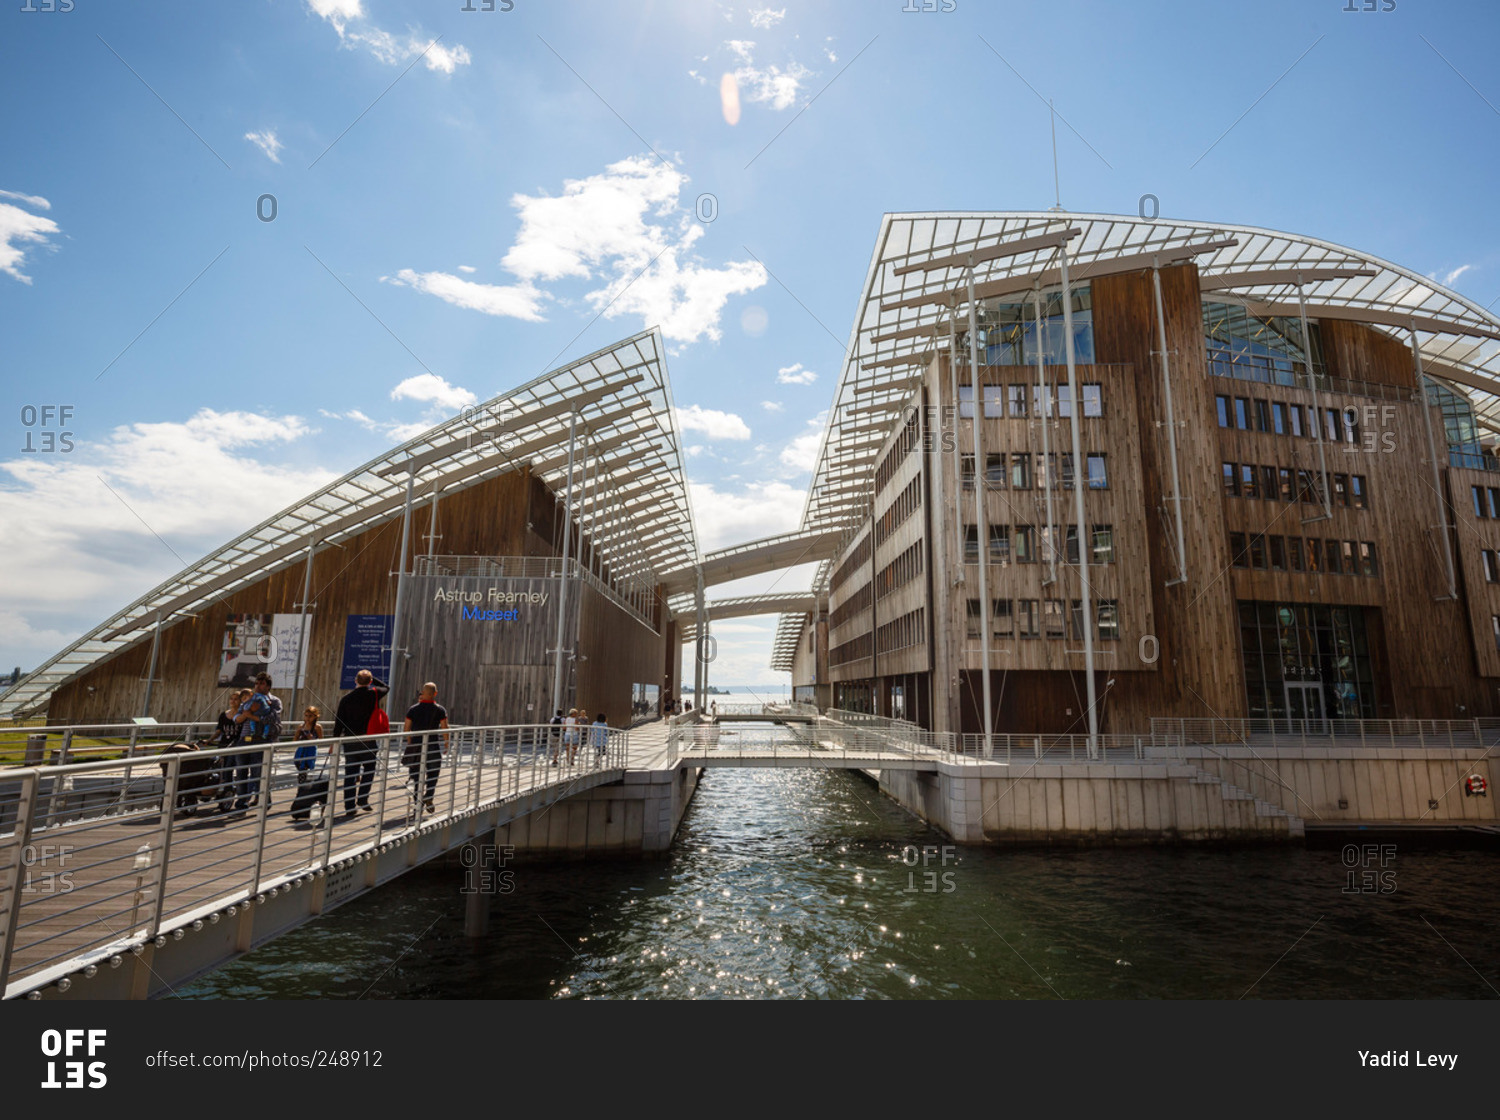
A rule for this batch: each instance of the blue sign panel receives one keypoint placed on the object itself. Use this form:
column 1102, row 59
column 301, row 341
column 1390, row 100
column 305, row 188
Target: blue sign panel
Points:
column 367, row 645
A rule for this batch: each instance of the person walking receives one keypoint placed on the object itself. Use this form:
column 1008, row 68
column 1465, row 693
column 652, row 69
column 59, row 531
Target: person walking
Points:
column 352, row 717
column 259, row 718
column 554, row 736
column 227, row 734
column 600, row 732
column 310, row 731
column 570, row 734
column 425, row 752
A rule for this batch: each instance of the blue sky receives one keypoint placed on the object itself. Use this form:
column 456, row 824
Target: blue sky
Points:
column 491, row 201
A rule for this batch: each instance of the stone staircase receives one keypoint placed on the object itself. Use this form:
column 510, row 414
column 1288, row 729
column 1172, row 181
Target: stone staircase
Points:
column 1232, row 794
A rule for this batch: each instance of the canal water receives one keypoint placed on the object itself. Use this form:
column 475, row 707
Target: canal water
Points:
column 811, row 884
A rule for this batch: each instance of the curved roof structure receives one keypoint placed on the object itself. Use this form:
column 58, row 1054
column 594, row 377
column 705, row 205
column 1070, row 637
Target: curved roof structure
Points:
column 916, row 285
column 628, row 430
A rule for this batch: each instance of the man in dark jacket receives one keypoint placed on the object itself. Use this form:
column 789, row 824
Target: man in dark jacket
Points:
column 353, row 718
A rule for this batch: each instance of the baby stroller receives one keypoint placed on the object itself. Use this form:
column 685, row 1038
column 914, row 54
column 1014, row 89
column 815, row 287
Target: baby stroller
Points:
column 198, row 779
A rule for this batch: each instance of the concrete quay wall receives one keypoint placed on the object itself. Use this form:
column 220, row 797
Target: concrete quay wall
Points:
column 1097, row 804
column 634, row 818
column 1377, row 784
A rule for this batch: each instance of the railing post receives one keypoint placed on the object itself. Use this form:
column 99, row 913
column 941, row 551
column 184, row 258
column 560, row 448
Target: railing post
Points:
column 1421, row 738
column 67, row 746
column 169, row 814
column 262, row 810
column 335, row 750
column 10, row 918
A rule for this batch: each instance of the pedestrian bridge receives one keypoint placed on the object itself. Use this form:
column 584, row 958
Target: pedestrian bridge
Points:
column 105, row 893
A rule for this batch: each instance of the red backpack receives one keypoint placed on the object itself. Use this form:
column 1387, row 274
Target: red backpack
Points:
column 380, row 723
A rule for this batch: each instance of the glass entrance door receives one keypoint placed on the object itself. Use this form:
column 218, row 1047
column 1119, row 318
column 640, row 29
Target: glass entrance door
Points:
column 1304, row 706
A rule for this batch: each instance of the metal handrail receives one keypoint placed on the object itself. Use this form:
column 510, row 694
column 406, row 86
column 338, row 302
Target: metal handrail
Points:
column 1348, row 734
column 127, row 886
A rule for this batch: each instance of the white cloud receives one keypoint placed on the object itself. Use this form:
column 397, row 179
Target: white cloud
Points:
column 772, row 83
column 760, row 509
column 266, row 141
column 18, row 229
column 196, row 483
column 466, row 268
column 802, row 453
column 795, row 375
column 693, row 451
column 518, row 301
column 697, row 77
column 712, row 423
column 432, row 388
column 390, row 49
column 766, row 17
column 1455, row 274
column 624, row 230
column 773, row 406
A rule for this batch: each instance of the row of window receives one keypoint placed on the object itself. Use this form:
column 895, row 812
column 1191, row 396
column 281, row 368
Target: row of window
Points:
column 1486, row 503
column 1019, row 476
column 1019, row 544
column 853, row 563
column 1288, row 484
column 1299, row 554
column 1340, row 425
column 1037, row 618
column 850, row 607
column 1021, row 401
column 852, row 650
column 902, row 506
column 898, row 453
column 900, row 571
column 908, row 630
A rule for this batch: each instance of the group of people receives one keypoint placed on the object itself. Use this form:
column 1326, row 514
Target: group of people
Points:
column 253, row 718
column 568, row 732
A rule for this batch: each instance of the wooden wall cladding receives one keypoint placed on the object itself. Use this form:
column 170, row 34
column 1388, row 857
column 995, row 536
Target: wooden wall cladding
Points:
column 1473, row 536
column 621, row 652
column 1196, row 628
column 489, row 518
column 1361, row 353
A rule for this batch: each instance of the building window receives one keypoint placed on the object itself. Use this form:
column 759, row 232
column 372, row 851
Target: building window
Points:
column 1294, row 414
column 1109, row 620
column 1494, row 502
column 1278, row 418
column 1348, row 562
column 971, row 627
column 971, row 544
column 1017, row 396
column 1223, row 405
column 1064, row 402
column 994, row 471
column 1070, row 544
column 1294, row 553
column 1367, row 564
column 1331, row 557
column 1477, row 492
column 1284, row 478
column 1314, row 554
column 1262, row 416
column 966, row 471
column 1334, row 427
column 1020, row 470
column 1341, row 490
column 1247, row 481
column 1026, row 618
column 1098, row 475
column 1278, row 554
column 1242, row 413
column 994, row 405
column 1075, row 620
column 1491, row 566
column 1268, row 484
column 1312, row 422
column 1052, row 618
column 1093, row 401
column 1258, row 551
column 1231, row 480
column 1357, row 489
column 1305, row 489
column 1000, row 544
column 1104, row 544
column 1495, row 626
column 1025, row 544
column 1239, row 554
column 1003, row 619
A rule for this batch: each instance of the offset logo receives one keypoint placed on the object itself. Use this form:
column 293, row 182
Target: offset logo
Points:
column 74, row 1046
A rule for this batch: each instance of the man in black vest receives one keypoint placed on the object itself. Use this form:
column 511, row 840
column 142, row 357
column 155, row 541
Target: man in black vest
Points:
column 353, row 718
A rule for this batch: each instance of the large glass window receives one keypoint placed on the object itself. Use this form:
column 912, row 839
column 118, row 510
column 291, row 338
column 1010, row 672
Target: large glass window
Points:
column 1020, row 470
column 1104, row 544
column 1025, row 544
column 1009, row 335
column 994, row 404
column 1098, row 476
column 1093, row 401
column 1254, row 348
column 1291, row 649
column 1017, row 395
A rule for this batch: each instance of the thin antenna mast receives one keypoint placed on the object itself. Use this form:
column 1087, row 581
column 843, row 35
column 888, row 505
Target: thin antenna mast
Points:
column 1056, row 182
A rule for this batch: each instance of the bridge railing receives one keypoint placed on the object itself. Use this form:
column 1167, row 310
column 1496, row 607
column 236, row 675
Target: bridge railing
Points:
column 60, row 744
column 101, row 858
column 1017, row 748
column 1446, row 734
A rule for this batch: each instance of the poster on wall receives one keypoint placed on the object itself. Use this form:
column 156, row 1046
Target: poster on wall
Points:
column 367, row 645
column 264, row 643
